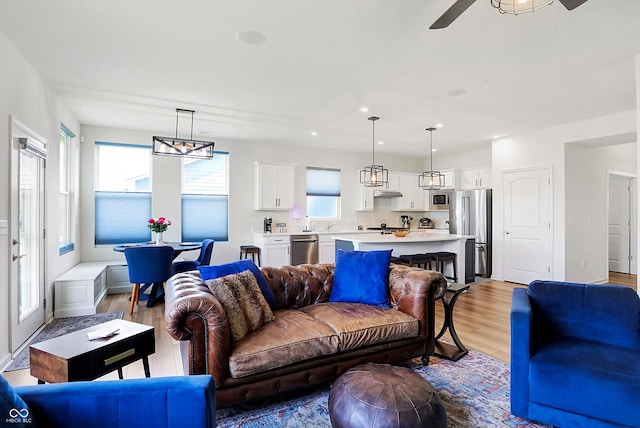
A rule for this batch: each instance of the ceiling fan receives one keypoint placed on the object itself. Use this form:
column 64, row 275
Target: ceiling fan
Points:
column 461, row 5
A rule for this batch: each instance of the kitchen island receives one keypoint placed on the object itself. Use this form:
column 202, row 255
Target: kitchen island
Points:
column 415, row 243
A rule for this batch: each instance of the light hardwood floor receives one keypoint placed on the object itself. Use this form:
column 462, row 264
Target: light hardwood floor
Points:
column 481, row 318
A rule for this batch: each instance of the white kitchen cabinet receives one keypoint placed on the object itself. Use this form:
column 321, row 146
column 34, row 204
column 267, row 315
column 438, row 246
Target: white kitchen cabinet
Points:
column 449, row 178
column 275, row 250
column 413, row 197
column 327, row 250
column 479, row 178
column 274, row 186
column 364, row 201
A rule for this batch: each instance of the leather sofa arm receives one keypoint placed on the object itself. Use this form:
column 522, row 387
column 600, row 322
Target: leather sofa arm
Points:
column 414, row 291
column 192, row 314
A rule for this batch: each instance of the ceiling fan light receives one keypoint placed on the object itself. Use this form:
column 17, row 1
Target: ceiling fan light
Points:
column 516, row 7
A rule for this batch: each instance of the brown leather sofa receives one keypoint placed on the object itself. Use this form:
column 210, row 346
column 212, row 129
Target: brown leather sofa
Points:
column 295, row 350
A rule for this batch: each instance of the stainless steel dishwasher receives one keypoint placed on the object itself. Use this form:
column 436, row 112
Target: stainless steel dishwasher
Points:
column 304, row 249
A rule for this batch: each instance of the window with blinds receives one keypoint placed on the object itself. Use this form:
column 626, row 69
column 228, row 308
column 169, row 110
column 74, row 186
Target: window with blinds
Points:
column 122, row 193
column 323, row 193
column 205, row 198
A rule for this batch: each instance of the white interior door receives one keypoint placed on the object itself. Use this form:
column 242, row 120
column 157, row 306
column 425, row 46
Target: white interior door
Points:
column 527, row 225
column 619, row 223
column 27, row 234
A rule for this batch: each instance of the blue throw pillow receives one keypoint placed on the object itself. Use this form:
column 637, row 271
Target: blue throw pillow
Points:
column 213, row 272
column 362, row 277
column 13, row 410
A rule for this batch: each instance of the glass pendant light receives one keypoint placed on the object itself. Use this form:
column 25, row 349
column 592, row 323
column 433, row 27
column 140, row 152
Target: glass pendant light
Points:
column 374, row 175
column 431, row 180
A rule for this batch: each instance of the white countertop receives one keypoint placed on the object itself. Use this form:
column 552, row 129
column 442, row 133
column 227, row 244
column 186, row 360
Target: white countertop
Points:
column 411, row 237
column 349, row 232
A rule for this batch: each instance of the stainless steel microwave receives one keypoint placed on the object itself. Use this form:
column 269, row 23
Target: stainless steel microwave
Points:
column 439, row 199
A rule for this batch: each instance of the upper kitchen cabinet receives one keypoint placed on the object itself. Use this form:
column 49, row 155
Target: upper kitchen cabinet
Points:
column 450, row 178
column 364, row 201
column 413, row 197
column 274, row 186
column 477, row 178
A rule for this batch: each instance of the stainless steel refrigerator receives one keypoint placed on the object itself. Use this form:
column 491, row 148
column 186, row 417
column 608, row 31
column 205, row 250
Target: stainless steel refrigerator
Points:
column 470, row 214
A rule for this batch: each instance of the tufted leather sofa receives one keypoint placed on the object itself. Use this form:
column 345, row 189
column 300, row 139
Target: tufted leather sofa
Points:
column 359, row 333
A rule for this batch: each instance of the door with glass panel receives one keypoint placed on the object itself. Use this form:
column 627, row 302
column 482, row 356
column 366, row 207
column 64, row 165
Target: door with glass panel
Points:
column 27, row 236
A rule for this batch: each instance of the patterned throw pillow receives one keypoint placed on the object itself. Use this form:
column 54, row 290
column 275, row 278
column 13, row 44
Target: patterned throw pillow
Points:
column 243, row 302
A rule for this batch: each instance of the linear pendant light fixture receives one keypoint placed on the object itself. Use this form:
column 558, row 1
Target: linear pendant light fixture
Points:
column 516, row 7
column 190, row 148
column 374, row 175
column 431, row 180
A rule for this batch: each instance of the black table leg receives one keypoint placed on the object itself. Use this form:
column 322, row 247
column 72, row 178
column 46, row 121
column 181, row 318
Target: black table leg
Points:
column 445, row 350
column 145, row 364
column 120, row 373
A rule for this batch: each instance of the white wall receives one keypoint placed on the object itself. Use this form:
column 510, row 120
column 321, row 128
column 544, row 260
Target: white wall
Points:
column 243, row 219
column 546, row 147
column 25, row 97
column 586, row 190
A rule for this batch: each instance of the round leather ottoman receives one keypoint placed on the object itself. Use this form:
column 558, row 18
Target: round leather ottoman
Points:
column 381, row 395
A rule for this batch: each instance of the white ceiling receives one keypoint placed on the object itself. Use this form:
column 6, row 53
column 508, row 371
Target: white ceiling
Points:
column 131, row 63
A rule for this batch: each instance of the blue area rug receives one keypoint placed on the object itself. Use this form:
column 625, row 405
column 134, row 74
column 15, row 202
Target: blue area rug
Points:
column 474, row 390
column 58, row 327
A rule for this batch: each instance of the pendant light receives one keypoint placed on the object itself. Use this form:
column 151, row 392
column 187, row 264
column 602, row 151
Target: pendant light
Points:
column 374, row 175
column 183, row 147
column 431, row 180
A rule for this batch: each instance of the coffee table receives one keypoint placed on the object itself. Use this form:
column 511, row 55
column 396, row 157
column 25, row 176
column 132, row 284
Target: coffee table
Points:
column 73, row 357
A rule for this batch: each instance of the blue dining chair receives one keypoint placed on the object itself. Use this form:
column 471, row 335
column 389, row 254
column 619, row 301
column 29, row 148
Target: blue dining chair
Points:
column 149, row 265
column 203, row 259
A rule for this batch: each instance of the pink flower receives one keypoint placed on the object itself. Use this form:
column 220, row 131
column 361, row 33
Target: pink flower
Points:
column 151, row 221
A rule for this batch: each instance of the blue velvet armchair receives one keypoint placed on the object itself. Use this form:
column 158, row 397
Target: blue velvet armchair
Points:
column 575, row 354
column 169, row 402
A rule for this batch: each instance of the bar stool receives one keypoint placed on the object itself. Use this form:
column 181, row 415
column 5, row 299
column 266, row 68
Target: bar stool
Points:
column 420, row 260
column 443, row 257
column 245, row 250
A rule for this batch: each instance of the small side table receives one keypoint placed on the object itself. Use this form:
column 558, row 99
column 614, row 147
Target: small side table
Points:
column 73, row 357
column 442, row 349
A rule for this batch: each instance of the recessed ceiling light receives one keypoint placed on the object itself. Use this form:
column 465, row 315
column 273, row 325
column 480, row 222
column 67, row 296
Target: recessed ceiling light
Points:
column 439, row 125
column 381, row 142
column 252, row 38
column 314, row 133
column 496, row 136
column 364, row 109
column 481, row 82
column 456, row 92
column 434, row 150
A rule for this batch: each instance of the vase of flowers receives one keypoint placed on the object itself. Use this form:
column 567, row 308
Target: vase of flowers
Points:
column 158, row 226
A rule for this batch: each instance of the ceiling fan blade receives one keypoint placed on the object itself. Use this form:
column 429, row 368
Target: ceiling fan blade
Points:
column 572, row 4
column 452, row 14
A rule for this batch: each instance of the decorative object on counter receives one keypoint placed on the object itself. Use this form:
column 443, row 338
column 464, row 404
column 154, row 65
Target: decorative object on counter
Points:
column 374, row 175
column 169, row 146
column 400, row 233
column 307, row 224
column 159, row 226
column 406, row 221
column 425, row 223
column 431, row 180
column 267, row 224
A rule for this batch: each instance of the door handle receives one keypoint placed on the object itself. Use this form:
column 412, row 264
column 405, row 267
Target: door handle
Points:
column 14, row 241
column 14, row 257
column 506, row 232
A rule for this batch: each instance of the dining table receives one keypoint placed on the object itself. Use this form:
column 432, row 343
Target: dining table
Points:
column 157, row 291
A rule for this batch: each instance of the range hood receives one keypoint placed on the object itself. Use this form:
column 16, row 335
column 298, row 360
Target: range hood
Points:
column 386, row 194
